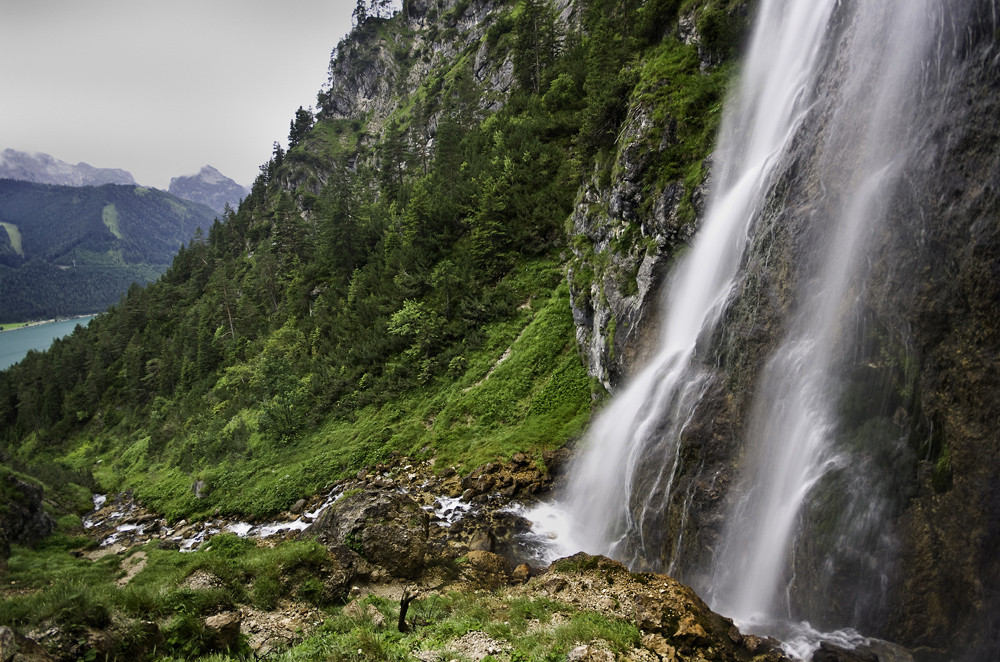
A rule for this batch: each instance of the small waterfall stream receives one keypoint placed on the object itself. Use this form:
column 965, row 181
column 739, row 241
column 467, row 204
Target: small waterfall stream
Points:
column 851, row 79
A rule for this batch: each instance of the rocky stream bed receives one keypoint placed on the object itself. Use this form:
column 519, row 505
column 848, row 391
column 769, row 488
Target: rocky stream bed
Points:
column 406, row 532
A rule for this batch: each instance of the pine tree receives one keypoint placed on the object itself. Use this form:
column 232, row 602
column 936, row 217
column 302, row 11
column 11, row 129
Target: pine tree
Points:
column 536, row 43
column 299, row 127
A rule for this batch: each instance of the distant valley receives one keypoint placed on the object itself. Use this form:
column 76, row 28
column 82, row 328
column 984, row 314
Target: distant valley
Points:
column 73, row 238
column 68, row 250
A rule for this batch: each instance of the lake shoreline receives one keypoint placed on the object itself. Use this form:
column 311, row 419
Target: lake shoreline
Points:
column 16, row 343
column 25, row 325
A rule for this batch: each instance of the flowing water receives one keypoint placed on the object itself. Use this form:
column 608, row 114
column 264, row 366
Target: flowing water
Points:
column 641, row 426
column 794, row 422
column 854, row 78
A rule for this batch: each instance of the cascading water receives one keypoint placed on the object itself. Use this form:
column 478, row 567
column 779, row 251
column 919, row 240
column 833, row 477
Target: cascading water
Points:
column 608, row 494
column 833, row 98
column 793, row 425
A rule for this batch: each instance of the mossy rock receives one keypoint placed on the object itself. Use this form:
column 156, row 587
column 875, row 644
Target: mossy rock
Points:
column 386, row 528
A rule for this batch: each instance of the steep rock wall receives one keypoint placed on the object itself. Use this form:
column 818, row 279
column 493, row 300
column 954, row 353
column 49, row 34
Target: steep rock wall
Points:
column 381, row 74
column 936, row 289
column 636, row 213
column 920, row 387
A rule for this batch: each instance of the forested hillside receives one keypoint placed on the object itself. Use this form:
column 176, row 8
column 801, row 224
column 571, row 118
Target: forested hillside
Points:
column 397, row 278
column 68, row 250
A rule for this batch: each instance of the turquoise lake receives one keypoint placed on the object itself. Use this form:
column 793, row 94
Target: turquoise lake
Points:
column 15, row 344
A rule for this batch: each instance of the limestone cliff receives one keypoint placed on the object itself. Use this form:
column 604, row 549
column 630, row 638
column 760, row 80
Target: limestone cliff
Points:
column 638, row 209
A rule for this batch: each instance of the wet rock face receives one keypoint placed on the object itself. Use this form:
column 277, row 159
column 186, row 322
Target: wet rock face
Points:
column 385, row 527
column 622, row 256
column 486, row 569
column 224, row 630
column 937, row 290
column 923, row 385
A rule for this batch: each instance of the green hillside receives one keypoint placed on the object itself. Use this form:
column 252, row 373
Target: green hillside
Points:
column 396, row 281
column 71, row 250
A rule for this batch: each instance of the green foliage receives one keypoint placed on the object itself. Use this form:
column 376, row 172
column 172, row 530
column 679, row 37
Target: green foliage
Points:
column 942, row 477
column 688, row 101
column 300, row 126
column 523, row 625
column 56, row 587
column 720, row 33
column 535, row 43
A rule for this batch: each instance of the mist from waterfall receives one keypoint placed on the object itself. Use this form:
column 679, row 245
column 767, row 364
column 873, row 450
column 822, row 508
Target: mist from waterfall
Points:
column 855, row 71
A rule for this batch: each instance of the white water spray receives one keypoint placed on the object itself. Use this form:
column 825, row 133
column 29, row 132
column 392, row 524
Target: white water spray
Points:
column 794, row 424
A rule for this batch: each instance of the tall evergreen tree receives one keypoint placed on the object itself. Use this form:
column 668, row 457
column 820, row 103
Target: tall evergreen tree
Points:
column 536, row 43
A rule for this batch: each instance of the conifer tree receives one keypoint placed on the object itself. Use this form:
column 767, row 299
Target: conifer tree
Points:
column 299, row 127
column 536, row 43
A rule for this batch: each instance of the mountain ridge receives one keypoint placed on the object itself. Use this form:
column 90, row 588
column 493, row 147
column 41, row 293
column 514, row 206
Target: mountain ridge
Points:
column 43, row 168
column 68, row 250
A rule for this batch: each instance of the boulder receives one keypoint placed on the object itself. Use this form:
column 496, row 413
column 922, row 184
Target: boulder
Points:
column 224, row 630
column 486, row 570
column 588, row 653
column 25, row 521
column 481, row 541
column 675, row 623
column 66, row 642
column 494, row 531
column 656, row 643
column 15, row 647
column 828, row 652
column 384, row 527
column 886, row 651
column 522, row 573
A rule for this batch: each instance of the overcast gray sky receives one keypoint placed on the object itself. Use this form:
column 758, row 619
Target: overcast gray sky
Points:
column 161, row 88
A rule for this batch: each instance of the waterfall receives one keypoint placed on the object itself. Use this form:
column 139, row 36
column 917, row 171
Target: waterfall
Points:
column 794, row 424
column 620, row 485
column 832, row 98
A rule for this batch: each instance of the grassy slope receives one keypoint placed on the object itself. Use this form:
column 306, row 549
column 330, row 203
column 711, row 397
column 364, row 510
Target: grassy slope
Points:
column 488, row 404
column 524, row 389
column 14, row 234
column 50, row 585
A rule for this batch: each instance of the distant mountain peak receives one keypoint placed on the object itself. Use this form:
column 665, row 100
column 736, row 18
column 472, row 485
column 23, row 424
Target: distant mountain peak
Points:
column 209, row 187
column 211, row 175
column 45, row 169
